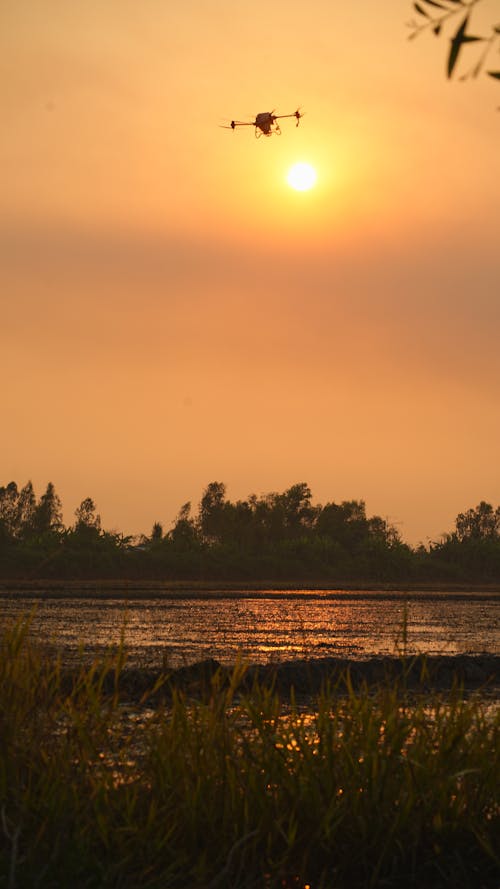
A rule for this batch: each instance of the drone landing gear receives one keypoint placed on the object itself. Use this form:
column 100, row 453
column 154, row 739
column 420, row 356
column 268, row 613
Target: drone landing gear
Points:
column 274, row 130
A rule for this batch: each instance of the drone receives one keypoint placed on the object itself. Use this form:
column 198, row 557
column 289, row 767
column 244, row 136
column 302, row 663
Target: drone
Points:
column 266, row 123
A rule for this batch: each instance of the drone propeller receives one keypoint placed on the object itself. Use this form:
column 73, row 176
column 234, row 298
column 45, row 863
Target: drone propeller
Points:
column 237, row 123
column 297, row 114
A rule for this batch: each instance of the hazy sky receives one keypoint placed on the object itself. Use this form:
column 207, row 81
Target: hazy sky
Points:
column 172, row 313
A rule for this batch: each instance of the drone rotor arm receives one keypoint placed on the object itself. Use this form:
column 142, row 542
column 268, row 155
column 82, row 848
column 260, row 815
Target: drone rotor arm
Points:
column 297, row 114
column 237, row 123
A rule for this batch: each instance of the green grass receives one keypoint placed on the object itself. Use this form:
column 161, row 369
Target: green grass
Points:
column 232, row 790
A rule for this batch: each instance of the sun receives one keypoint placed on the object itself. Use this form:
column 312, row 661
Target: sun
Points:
column 302, row 177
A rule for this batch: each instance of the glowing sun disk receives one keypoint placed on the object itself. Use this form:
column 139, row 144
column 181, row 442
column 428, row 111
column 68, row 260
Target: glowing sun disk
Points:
column 301, row 177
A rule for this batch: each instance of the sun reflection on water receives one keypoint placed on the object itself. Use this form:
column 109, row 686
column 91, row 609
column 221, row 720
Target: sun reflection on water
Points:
column 175, row 632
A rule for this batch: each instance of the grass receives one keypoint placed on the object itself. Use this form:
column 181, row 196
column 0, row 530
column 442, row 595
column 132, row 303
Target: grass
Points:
column 232, row 789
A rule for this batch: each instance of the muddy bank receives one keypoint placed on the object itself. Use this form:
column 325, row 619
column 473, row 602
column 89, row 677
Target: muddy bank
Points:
column 136, row 590
column 420, row 674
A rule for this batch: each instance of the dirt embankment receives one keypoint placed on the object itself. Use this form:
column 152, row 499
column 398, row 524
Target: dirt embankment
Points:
column 419, row 674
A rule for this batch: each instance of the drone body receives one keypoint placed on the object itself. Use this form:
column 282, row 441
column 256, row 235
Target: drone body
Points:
column 265, row 123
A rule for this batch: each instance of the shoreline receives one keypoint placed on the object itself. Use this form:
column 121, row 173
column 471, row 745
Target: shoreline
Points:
column 461, row 674
column 152, row 589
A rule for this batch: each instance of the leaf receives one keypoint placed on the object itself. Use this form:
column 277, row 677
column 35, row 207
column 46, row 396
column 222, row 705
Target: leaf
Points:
column 456, row 43
column 477, row 68
column 494, row 74
column 421, row 10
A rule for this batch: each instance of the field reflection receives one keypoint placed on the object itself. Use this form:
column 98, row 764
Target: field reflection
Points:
column 175, row 632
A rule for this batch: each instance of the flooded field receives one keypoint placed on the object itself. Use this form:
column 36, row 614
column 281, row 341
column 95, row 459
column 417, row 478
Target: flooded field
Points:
column 265, row 627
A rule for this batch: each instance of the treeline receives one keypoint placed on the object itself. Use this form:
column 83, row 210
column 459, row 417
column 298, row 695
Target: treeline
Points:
column 277, row 536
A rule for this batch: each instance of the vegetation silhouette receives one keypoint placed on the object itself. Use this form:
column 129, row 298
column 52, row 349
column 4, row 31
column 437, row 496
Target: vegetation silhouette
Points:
column 436, row 15
column 236, row 784
column 274, row 537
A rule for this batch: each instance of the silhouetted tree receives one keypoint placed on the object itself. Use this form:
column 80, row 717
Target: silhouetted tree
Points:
column 184, row 534
column 345, row 522
column 277, row 535
column 211, row 511
column 86, row 516
column 298, row 513
column 47, row 517
column 479, row 523
column 472, row 551
column 26, row 510
column 9, row 497
column 436, row 15
column 156, row 532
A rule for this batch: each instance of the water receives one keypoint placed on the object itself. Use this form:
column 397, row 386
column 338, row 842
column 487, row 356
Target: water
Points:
column 265, row 627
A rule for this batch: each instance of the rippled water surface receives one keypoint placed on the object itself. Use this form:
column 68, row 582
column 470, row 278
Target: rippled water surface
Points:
column 183, row 630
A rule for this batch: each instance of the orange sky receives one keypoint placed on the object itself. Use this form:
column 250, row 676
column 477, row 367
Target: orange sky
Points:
column 174, row 314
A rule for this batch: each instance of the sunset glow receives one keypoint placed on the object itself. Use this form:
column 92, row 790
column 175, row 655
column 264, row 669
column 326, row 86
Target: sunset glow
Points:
column 173, row 312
